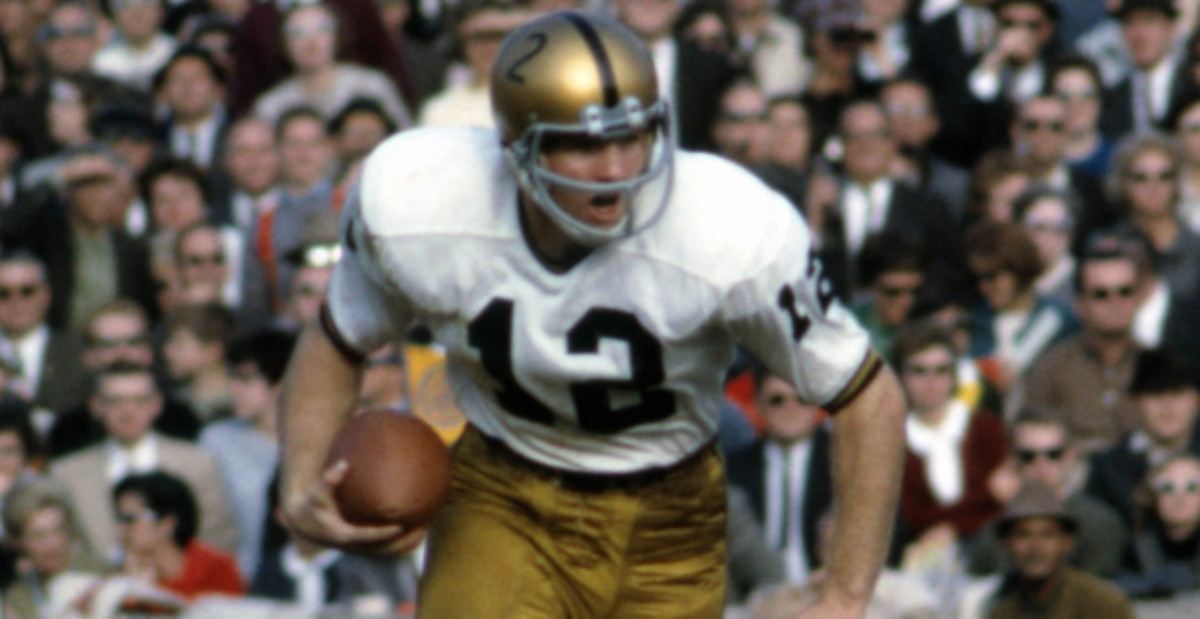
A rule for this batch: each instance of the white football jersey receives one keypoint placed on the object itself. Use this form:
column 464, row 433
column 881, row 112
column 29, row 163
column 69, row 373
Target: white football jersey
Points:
column 617, row 364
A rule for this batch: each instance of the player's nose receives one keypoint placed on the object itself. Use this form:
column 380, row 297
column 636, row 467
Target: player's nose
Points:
column 616, row 161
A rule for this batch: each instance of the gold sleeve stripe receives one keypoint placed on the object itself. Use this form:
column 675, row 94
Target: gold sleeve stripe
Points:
column 866, row 371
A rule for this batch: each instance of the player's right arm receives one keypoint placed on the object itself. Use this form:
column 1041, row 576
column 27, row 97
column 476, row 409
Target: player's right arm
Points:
column 320, row 394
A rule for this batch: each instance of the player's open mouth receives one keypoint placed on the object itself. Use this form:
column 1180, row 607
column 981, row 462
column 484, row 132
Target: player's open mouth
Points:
column 605, row 209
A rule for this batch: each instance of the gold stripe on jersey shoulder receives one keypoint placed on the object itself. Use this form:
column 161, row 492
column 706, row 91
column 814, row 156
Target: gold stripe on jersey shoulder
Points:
column 870, row 366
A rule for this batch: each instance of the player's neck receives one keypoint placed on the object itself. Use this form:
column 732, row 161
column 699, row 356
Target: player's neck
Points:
column 548, row 243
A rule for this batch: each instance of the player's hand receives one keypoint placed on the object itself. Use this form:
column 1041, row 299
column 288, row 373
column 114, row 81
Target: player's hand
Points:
column 315, row 517
column 831, row 605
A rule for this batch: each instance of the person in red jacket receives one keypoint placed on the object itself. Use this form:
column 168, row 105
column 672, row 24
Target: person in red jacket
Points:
column 157, row 518
column 953, row 450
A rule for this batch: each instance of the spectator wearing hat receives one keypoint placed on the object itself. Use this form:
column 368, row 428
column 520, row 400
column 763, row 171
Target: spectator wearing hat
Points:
column 1142, row 101
column 1042, row 452
column 79, row 234
column 1167, row 400
column 1038, row 535
column 127, row 128
column 140, row 47
column 1165, row 555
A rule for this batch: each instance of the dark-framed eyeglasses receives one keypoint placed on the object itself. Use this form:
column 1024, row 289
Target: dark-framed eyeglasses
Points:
column 19, row 292
column 1116, row 292
column 1053, row 454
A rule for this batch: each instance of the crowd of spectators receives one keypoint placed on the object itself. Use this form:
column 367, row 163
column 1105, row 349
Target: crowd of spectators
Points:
column 1005, row 192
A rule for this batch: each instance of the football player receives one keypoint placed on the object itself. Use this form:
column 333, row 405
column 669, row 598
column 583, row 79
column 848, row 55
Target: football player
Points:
column 589, row 284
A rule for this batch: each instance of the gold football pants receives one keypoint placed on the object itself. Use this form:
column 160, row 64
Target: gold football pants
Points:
column 518, row 541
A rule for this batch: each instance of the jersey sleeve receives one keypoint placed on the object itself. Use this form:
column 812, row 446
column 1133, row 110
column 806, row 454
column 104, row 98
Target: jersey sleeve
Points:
column 787, row 315
column 365, row 310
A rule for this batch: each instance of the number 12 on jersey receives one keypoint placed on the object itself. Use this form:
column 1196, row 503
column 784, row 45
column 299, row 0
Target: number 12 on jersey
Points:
column 491, row 333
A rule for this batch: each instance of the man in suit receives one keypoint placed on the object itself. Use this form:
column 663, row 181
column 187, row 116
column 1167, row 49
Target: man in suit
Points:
column 872, row 201
column 250, row 157
column 945, row 50
column 1168, row 400
column 786, row 475
column 692, row 78
column 117, row 334
column 192, row 85
column 1039, row 135
column 914, row 121
column 1044, row 454
column 51, row 376
column 128, row 401
column 306, row 152
column 1143, row 99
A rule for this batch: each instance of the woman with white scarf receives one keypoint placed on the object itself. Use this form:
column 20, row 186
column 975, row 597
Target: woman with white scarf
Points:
column 952, row 450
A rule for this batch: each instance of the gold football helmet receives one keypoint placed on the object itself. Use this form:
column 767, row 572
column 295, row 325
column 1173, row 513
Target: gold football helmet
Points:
column 579, row 73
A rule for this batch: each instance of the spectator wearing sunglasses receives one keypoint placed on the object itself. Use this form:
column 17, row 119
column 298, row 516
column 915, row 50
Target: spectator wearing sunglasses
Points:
column 1086, row 376
column 787, row 475
column 945, row 498
column 206, row 272
column 1167, row 400
column 892, row 268
column 1042, row 453
column 1146, row 188
column 1040, row 136
column 1165, row 555
column 50, row 375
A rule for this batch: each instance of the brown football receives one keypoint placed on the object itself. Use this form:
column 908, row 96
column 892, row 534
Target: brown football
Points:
column 399, row 470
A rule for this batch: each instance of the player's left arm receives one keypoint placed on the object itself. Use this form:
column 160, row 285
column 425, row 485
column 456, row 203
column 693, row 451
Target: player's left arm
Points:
column 786, row 313
column 868, row 456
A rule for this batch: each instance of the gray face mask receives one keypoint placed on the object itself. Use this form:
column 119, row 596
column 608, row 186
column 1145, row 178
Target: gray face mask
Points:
column 645, row 194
